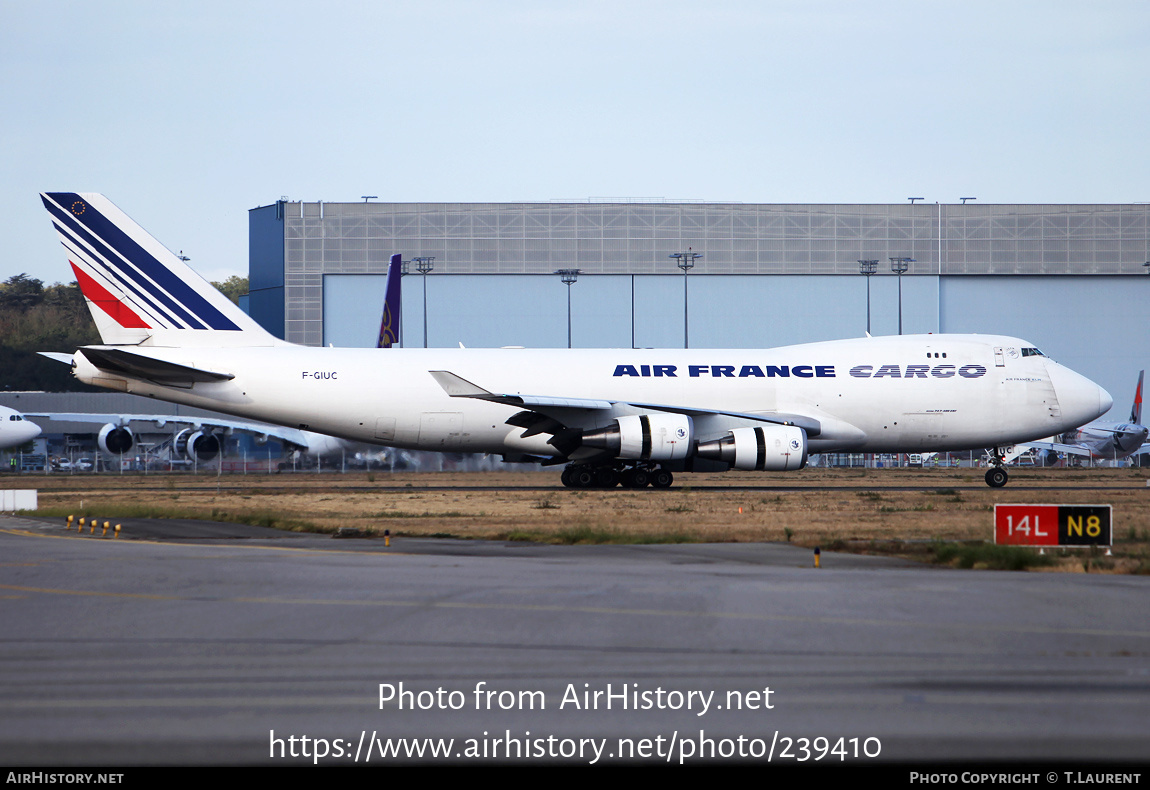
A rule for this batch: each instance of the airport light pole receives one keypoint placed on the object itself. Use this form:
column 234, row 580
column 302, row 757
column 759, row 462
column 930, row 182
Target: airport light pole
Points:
column 867, row 269
column 964, row 199
column 899, row 267
column 685, row 261
column 402, row 273
column 568, row 276
column 423, row 265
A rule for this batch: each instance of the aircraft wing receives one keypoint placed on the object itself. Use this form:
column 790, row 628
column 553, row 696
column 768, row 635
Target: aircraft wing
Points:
column 1058, row 447
column 554, row 407
column 291, row 435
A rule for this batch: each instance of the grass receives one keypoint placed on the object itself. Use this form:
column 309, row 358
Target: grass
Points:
column 117, row 512
column 990, row 556
column 586, row 534
column 871, row 512
column 424, row 514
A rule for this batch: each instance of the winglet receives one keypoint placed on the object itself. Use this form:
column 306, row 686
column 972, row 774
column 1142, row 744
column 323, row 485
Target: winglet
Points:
column 458, row 387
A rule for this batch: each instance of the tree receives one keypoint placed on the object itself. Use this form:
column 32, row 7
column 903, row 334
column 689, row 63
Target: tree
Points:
column 234, row 287
column 19, row 292
column 34, row 318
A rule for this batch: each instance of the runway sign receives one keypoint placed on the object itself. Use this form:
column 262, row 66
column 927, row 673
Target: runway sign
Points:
column 1052, row 525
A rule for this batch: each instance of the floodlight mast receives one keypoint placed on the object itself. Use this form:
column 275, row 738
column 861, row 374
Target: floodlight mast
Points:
column 899, row 267
column 685, row 261
column 868, row 269
column 568, row 276
column 423, row 265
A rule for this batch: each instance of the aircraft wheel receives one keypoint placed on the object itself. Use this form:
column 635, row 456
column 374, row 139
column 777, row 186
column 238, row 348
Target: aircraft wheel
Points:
column 566, row 478
column 606, row 477
column 582, row 477
column 996, row 477
column 640, row 478
column 661, row 478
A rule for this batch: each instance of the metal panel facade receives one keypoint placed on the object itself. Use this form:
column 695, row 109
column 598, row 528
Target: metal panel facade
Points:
column 755, row 239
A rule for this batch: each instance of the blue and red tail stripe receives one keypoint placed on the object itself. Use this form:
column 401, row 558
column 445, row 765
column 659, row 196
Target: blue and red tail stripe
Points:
column 92, row 253
column 106, row 301
column 151, row 282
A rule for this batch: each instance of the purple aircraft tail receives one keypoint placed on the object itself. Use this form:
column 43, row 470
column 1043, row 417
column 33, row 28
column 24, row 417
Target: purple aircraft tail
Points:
column 389, row 326
column 1136, row 410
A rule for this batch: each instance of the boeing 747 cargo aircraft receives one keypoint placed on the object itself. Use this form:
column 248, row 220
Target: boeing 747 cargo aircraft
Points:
column 629, row 416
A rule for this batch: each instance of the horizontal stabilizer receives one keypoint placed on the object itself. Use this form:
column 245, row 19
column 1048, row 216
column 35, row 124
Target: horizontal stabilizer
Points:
column 58, row 357
column 137, row 366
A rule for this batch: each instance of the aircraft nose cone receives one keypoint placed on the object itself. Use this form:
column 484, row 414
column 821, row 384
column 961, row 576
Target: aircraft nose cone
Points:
column 1104, row 401
column 1080, row 399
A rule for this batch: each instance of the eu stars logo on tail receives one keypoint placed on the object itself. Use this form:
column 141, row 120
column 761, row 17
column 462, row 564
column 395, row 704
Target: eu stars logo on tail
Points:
column 140, row 292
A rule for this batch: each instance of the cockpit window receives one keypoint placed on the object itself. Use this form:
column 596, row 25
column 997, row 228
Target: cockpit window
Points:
column 1032, row 352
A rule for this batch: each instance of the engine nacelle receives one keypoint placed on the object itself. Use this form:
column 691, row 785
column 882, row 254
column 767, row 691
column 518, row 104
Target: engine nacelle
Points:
column 115, row 440
column 648, row 437
column 767, row 448
column 197, row 445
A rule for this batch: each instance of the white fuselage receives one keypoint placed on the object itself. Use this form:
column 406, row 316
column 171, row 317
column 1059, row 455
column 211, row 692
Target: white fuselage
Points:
column 14, row 429
column 915, row 392
column 1109, row 440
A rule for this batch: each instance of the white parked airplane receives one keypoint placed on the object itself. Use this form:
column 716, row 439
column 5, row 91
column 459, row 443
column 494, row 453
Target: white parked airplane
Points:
column 614, row 415
column 198, row 438
column 1105, row 440
column 14, row 429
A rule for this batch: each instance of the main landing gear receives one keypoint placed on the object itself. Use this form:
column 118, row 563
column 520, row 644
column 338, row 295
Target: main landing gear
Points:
column 996, row 476
column 628, row 476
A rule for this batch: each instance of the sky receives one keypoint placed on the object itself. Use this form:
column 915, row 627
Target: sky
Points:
column 186, row 115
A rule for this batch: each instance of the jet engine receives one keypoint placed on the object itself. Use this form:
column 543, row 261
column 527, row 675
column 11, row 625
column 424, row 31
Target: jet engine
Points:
column 115, row 439
column 767, row 448
column 197, row 445
column 649, row 437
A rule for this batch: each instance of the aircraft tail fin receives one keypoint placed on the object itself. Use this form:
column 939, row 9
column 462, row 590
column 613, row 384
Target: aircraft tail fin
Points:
column 138, row 291
column 389, row 325
column 1136, row 409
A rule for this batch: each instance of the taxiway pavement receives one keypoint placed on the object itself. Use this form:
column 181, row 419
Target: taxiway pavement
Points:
column 202, row 644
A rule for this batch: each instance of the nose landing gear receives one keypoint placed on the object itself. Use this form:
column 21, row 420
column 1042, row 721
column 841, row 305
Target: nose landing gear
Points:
column 996, row 475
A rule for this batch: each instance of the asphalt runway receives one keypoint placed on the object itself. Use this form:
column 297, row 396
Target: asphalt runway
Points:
column 208, row 644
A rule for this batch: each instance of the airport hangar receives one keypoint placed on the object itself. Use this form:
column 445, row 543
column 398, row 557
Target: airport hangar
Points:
column 1071, row 278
